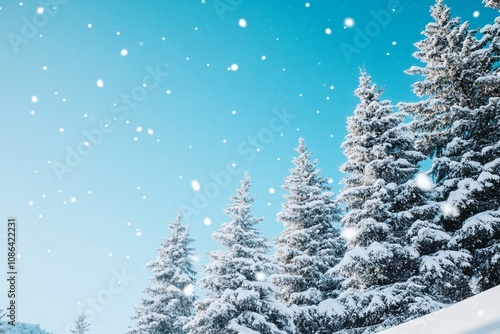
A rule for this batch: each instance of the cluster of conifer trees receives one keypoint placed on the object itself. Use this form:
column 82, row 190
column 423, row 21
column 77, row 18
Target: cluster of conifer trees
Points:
column 409, row 242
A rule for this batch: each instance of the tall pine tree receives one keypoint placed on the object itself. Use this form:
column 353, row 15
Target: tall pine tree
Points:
column 396, row 267
column 81, row 325
column 458, row 122
column 309, row 245
column 241, row 298
column 169, row 300
column 444, row 85
column 475, row 196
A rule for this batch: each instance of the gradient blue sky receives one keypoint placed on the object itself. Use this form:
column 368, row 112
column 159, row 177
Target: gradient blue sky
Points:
column 110, row 213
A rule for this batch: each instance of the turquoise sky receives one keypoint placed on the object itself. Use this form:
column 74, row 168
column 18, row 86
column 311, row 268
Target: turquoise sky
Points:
column 110, row 110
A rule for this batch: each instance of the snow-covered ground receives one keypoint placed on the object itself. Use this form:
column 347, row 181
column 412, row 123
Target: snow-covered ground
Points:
column 476, row 315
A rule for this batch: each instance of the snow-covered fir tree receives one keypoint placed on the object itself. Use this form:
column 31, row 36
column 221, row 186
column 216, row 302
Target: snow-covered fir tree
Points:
column 309, row 245
column 396, row 267
column 444, row 85
column 492, row 3
column 454, row 63
column 2, row 321
column 461, row 86
column 168, row 302
column 474, row 197
column 81, row 325
column 241, row 298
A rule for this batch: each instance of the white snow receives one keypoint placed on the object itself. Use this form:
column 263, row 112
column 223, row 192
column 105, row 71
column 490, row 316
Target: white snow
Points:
column 195, row 185
column 260, row 276
column 331, row 307
column 349, row 22
column 424, row 182
column 477, row 315
column 349, row 233
column 188, row 290
column 449, row 209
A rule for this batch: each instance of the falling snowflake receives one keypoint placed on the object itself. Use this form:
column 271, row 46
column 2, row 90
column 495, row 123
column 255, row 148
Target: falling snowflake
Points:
column 188, row 290
column 260, row 276
column 195, row 185
column 349, row 233
column 449, row 210
column 424, row 182
column 349, row 22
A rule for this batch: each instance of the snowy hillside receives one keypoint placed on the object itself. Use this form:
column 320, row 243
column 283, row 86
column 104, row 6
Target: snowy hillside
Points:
column 476, row 315
column 22, row 328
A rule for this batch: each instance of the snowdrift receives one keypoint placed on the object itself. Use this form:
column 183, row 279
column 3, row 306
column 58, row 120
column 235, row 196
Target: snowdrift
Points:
column 476, row 315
